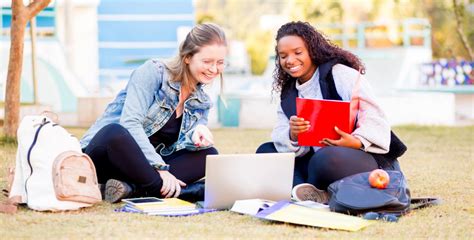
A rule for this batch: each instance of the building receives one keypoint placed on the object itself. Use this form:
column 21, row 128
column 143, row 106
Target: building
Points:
column 86, row 49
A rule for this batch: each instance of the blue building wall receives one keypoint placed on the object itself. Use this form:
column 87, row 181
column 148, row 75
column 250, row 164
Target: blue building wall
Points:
column 131, row 31
column 44, row 21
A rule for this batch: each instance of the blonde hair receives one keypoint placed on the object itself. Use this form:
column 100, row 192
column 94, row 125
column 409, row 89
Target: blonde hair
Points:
column 201, row 35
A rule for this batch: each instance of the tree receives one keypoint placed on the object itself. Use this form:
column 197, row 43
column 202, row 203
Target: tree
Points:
column 458, row 12
column 21, row 14
column 317, row 11
column 259, row 45
column 240, row 18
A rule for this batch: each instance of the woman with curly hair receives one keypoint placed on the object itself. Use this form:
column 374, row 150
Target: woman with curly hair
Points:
column 309, row 66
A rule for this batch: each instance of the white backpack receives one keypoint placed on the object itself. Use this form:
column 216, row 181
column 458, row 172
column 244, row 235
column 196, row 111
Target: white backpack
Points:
column 51, row 172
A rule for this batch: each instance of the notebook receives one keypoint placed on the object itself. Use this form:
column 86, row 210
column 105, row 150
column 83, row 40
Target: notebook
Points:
column 323, row 116
column 289, row 212
column 231, row 177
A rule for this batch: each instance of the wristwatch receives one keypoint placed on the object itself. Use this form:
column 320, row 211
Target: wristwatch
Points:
column 159, row 166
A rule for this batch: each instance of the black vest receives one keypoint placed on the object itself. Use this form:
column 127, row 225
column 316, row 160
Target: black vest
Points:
column 328, row 90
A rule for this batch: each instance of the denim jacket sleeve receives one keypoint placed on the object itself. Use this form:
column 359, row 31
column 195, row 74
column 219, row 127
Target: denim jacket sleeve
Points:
column 143, row 83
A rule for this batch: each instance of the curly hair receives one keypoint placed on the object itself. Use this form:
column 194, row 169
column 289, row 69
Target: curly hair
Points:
column 321, row 50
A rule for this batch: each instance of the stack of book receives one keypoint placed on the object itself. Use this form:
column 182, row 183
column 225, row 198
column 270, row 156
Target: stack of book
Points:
column 156, row 206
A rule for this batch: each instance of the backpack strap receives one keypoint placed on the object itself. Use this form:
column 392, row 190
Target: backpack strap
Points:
column 419, row 203
column 10, row 205
column 10, row 177
column 415, row 203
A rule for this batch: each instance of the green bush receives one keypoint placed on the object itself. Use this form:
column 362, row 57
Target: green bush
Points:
column 259, row 44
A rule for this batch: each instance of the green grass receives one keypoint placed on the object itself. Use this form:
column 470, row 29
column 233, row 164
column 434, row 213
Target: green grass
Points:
column 439, row 163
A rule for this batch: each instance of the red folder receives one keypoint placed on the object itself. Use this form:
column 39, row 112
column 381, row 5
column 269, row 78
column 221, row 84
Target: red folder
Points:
column 323, row 116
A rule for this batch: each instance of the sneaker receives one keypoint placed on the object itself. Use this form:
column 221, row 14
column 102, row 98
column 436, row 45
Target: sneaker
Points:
column 306, row 191
column 116, row 190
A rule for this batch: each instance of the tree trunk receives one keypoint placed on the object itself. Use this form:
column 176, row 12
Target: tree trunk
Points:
column 458, row 14
column 20, row 17
column 15, row 64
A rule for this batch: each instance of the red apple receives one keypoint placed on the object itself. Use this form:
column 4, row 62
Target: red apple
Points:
column 378, row 178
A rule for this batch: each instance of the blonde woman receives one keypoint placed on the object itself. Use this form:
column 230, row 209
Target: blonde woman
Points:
column 152, row 140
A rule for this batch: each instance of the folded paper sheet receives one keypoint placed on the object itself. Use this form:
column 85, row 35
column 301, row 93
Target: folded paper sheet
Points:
column 285, row 211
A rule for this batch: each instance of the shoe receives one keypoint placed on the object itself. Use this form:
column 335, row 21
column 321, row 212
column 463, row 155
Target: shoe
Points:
column 306, row 191
column 193, row 192
column 116, row 190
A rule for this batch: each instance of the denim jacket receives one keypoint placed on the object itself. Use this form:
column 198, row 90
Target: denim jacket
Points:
column 146, row 104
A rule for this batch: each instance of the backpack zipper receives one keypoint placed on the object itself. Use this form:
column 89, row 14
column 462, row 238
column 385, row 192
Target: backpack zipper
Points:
column 29, row 152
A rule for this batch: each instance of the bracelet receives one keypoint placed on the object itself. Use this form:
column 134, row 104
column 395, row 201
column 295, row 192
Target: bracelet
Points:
column 159, row 166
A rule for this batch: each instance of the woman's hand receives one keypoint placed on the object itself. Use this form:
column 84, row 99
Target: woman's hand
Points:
column 171, row 185
column 297, row 126
column 346, row 140
column 202, row 136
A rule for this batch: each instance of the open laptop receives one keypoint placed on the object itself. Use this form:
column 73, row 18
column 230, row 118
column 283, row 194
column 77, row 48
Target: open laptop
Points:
column 231, row 177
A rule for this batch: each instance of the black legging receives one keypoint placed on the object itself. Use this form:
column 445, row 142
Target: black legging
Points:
column 328, row 164
column 117, row 155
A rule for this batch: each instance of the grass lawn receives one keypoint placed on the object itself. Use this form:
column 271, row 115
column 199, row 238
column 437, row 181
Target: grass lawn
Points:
column 439, row 162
